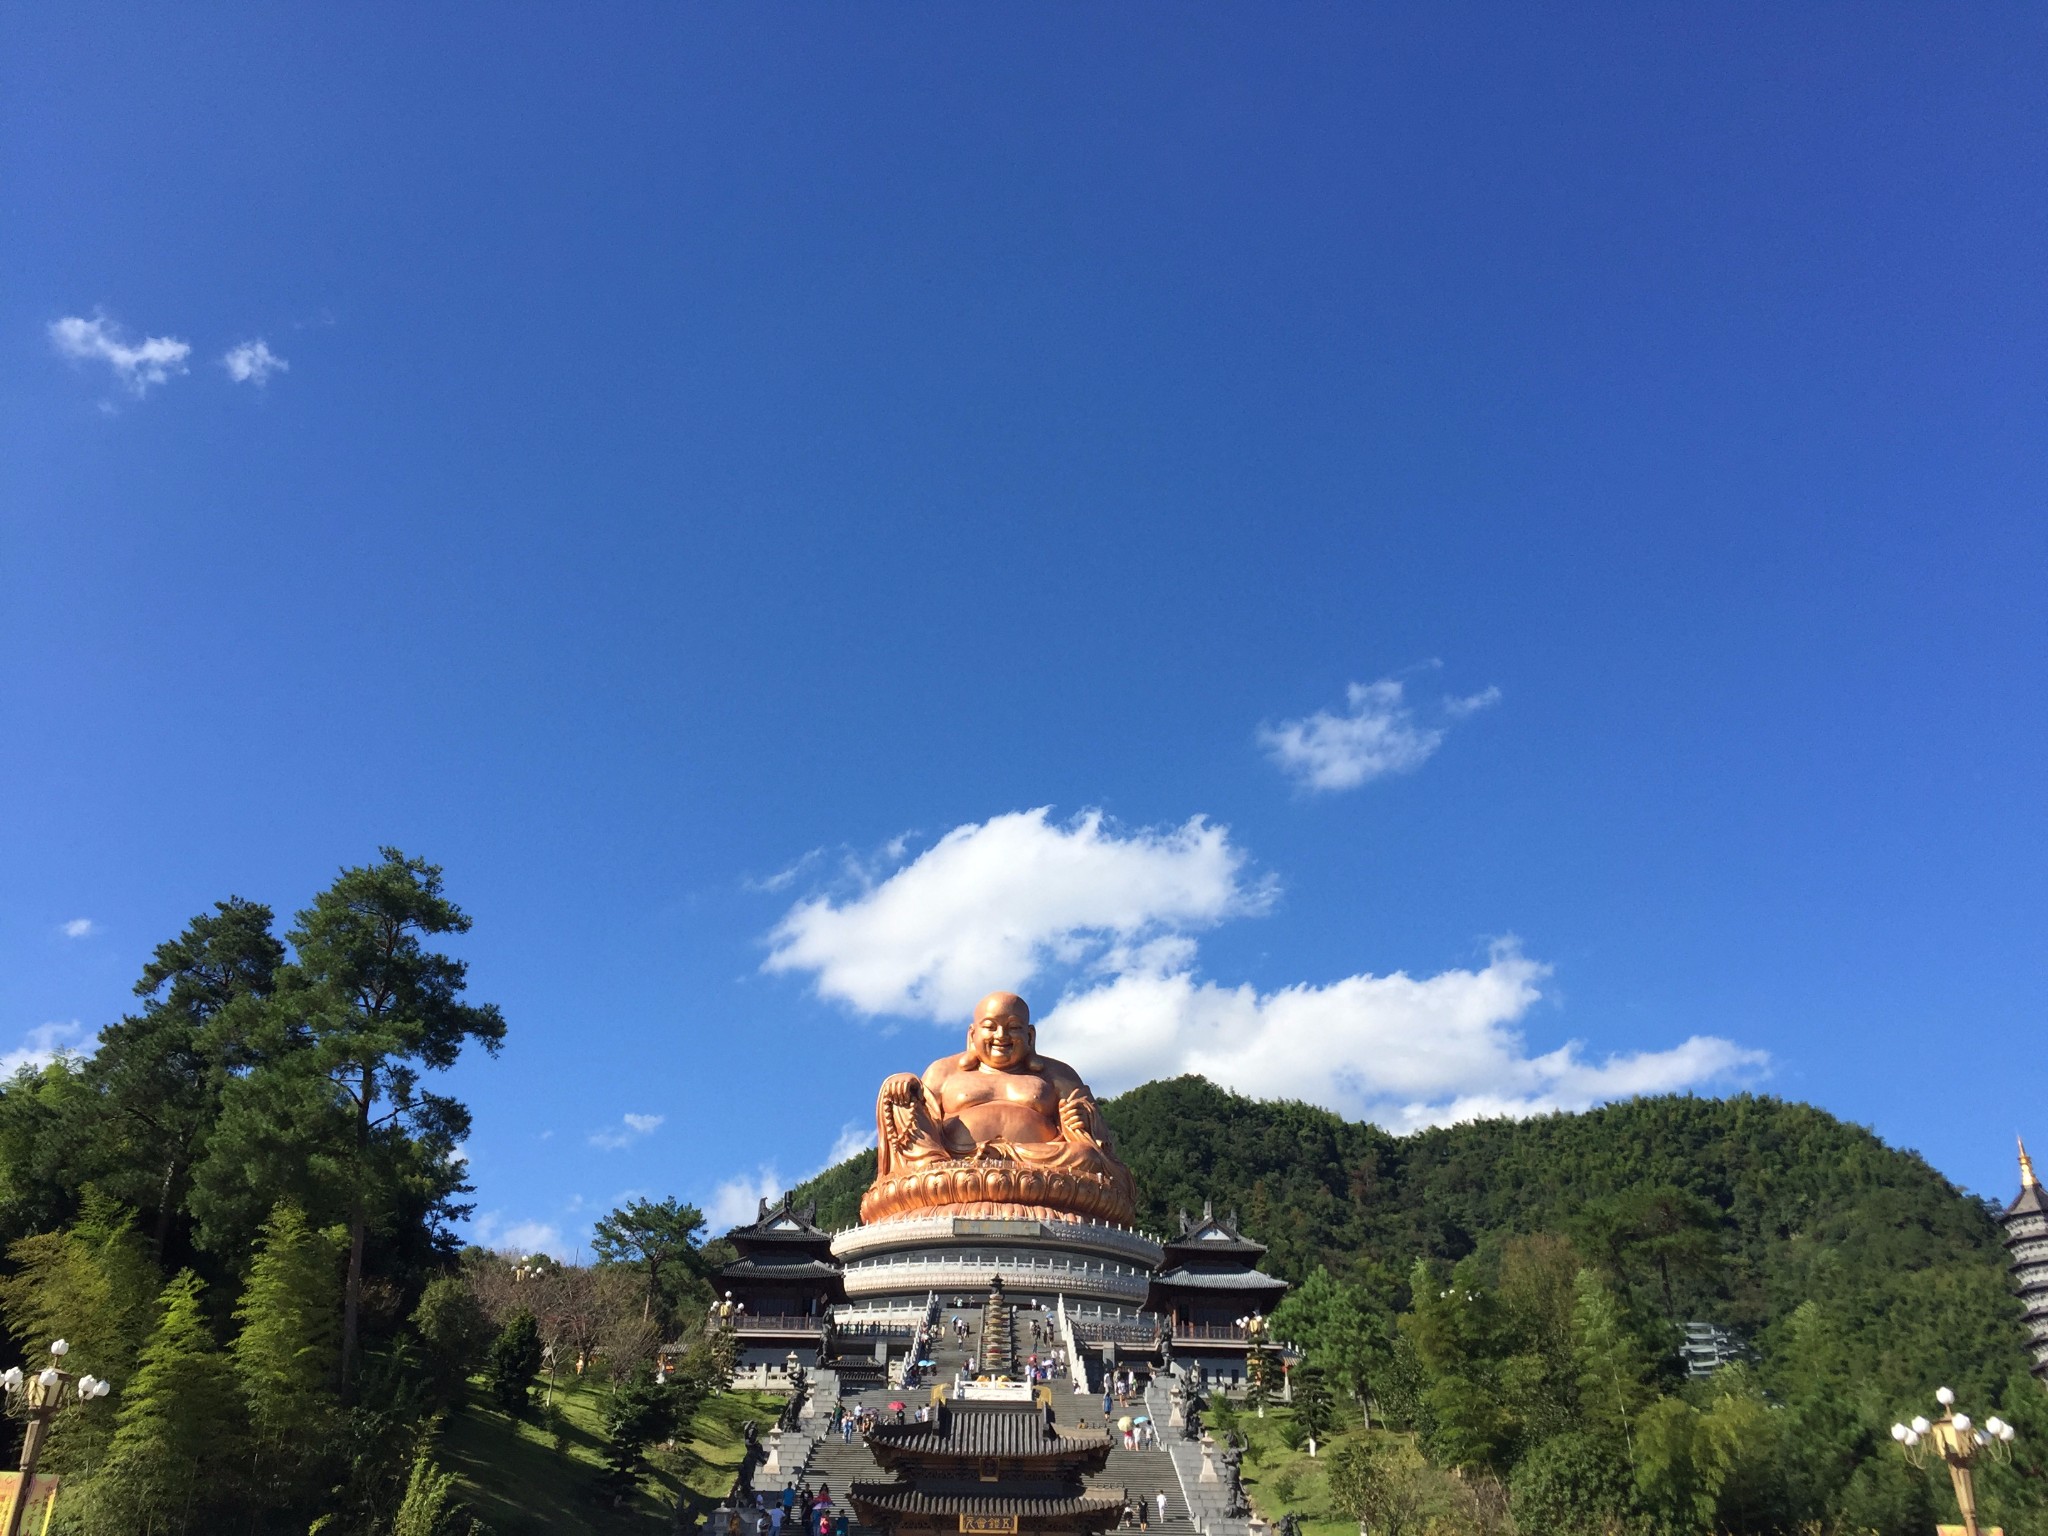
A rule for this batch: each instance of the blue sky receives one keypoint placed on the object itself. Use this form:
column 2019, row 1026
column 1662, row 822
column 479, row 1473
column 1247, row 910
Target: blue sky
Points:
column 1427, row 558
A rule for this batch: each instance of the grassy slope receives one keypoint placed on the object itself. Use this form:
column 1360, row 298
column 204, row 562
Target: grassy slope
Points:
column 515, row 1478
column 1280, row 1481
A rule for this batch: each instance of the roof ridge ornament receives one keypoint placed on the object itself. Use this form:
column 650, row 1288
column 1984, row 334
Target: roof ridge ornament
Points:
column 2027, row 1179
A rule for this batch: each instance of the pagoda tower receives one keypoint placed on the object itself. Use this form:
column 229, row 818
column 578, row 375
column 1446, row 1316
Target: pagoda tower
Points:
column 990, row 1462
column 2026, row 1241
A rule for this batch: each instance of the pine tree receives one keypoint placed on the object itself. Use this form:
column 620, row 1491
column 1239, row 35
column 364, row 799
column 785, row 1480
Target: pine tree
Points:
column 1314, row 1410
column 287, row 1355
column 645, row 1411
column 177, row 1427
column 514, row 1358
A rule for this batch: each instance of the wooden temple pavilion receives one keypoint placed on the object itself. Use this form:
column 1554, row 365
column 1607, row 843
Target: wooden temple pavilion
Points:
column 988, row 1468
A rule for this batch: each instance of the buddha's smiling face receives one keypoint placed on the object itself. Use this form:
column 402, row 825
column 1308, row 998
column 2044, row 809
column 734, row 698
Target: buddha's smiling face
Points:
column 1001, row 1036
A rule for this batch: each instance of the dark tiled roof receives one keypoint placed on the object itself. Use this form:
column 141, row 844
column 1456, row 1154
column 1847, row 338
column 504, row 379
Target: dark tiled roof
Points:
column 900, row 1500
column 786, row 1223
column 1229, row 1280
column 796, row 1269
column 989, row 1432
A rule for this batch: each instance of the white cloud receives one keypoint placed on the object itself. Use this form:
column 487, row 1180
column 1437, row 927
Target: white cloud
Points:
column 1376, row 735
column 737, row 1201
column 492, row 1231
column 633, row 1127
column 1399, row 1050
column 138, row 367
column 252, row 362
column 41, row 1046
column 998, row 902
column 79, row 928
column 993, row 903
column 854, row 1136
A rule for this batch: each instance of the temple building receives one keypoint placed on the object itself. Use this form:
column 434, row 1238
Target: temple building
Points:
column 990, row 1462
column 2026, row 1244
column 1209, row 1283
column 997, row 1163
column 778, row 1295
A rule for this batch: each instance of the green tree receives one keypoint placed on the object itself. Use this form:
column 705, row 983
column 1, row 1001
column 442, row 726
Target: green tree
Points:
column 1572, row 1484
column 1381, row 1485
column 659, row 1239
column 1314, row 1409
column 453, row 1333
column 1338, row 1327
column 514, row 1358
column 92, row 1285
column 430, row 1506
column 158, row 1077
column 1613, row 1367
column 171, row 1461
column 1657, row 1234
column 286, row 1351
column 375, row 1008
column 642, row 1412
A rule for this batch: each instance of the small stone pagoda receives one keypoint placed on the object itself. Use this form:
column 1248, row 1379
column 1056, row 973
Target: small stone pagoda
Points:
column 990, row 1462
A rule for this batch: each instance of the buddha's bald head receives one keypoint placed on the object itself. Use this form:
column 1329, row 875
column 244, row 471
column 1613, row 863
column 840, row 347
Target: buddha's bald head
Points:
column 1001, row 1035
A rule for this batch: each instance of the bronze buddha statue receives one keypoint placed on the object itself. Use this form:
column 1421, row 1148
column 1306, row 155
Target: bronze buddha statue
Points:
column 996, row 1131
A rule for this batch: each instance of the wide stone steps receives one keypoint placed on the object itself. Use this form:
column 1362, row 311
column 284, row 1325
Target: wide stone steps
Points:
column 1141, row 1474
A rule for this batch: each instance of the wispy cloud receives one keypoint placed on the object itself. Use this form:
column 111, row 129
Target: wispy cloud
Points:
column 630, row 1129
column 1376, row 734
column 252, row 362
column 137, row 366
column 853, row 1137
column 738, row 1199
column 41, row 1046
column 993, row 903
column 492, row 1230
column 1113, row 921
column 80, row 928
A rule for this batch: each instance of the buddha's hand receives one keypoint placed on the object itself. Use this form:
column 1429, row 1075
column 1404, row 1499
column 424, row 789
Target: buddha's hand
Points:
column 1078, row 1118
column 904, row 1120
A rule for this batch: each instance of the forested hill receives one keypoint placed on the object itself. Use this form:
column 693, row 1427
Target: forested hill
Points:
column 1319, row 1189
column 1771, row 1179
column 1733, row 1200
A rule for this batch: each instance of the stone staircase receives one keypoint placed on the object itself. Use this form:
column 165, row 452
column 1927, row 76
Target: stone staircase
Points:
column 818, row 1456
column 1205, row 1501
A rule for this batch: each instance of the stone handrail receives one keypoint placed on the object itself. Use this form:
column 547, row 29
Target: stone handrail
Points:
column 1100, row 1235
column 946, row 1275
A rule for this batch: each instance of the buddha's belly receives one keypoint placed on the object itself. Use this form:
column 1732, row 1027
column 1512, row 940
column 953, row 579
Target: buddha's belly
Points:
column 1006, row 1120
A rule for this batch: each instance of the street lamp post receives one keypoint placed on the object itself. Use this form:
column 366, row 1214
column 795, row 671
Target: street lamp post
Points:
column 41, row 1395
column 1959, row 1443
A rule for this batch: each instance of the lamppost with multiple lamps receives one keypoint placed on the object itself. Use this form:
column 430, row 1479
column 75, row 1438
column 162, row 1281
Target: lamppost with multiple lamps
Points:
column 1959, row 1443
column 41, row 1396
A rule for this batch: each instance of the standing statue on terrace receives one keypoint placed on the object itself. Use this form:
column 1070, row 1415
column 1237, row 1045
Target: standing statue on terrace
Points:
column 998, row 1130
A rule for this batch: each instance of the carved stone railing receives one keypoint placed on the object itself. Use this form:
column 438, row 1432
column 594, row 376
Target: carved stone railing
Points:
column 1097, row 1236
column 965, row 1275
column 1108, row 1330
